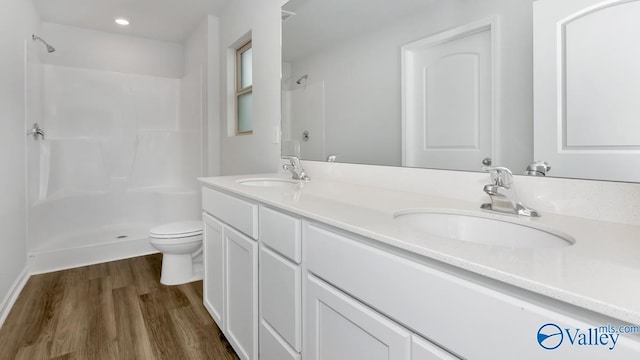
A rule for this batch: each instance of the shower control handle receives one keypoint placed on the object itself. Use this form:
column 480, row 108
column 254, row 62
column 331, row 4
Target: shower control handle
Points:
column 35, row 131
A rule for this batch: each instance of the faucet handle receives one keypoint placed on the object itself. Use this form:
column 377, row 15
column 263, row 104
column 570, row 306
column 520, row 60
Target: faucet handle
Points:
column 294, row 160
column 295, row 168
column 538, row 168
column 500, row 175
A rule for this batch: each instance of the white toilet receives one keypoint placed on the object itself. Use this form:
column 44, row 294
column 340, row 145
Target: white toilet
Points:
column 181, row 246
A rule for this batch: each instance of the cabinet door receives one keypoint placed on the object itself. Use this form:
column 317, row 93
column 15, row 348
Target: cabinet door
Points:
column 337, row 327
column 272, row 347
column 422, row 349
column 213, row 256
column 241, row 293
column 280, row 296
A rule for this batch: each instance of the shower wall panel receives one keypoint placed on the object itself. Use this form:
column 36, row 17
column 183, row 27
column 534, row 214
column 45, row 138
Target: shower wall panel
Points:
column 116, row 154
column 112, row 126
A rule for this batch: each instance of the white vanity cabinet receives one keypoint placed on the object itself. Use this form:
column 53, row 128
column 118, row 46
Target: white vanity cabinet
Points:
column 231, row 268
column 283, row 287
column 463, row 313
column 280, row 285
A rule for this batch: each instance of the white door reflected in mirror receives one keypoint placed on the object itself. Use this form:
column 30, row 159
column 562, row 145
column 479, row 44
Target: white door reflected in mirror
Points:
column 587, row 86
column 447, row 99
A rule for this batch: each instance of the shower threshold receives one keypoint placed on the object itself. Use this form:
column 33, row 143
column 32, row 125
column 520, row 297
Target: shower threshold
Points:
column 91, row 247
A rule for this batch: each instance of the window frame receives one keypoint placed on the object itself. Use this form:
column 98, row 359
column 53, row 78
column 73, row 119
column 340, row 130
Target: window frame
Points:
column 239, row 90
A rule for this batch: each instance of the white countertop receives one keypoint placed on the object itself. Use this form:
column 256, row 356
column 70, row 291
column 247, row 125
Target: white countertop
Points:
column 600, row 272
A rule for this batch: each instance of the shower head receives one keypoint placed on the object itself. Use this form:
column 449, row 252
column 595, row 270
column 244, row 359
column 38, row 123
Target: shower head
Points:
column 303, row 77
column 49, row 47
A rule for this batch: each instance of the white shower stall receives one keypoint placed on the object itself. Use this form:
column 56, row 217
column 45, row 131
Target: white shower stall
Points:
column 122, row 147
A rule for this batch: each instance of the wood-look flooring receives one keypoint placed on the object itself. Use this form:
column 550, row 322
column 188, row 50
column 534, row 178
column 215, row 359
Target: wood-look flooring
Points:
column 115, row 310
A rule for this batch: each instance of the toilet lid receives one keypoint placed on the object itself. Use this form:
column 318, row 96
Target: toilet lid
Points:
column 177, row 229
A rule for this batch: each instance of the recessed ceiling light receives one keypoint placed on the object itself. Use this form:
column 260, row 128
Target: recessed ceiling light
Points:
column 122, row 21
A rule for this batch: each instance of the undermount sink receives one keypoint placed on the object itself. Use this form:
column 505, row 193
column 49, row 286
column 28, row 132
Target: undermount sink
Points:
column 268, row 182
column 481, row 230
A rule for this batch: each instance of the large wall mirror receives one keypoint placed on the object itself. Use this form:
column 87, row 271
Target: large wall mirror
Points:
column 449, row 84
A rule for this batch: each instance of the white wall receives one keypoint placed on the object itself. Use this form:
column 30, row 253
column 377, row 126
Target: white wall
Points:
column 369, row 66
column 18, row 20
column 213, row 126
column 258, row 152
column 83, row 48
column 199, row 107
column 192, row 86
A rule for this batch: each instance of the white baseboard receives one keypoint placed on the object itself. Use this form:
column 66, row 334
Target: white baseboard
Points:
column 12, row 295
column 54, row 260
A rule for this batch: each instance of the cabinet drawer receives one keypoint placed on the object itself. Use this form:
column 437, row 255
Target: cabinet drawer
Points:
column 239, row 213
column 281, row 232
column 272, row 347
column 280, row 296
column 471, row 318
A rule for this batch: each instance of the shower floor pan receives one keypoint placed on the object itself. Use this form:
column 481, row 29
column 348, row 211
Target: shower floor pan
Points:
column 91, row 247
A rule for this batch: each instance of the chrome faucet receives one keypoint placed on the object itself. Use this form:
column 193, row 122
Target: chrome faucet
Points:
column 503, row 194
column 538, row 168
column 297, row 172
column 36, row 131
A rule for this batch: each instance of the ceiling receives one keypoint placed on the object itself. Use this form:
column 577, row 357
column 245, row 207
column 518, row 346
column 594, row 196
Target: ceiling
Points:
column 167, row 20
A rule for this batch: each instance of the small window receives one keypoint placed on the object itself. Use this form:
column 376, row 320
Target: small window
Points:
column 244, row 87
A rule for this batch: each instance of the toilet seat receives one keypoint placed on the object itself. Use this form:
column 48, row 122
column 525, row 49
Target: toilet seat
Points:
column 177, row 230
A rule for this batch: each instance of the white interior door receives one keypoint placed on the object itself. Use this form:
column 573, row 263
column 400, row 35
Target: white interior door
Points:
column 447, row 99
column 587, row 81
